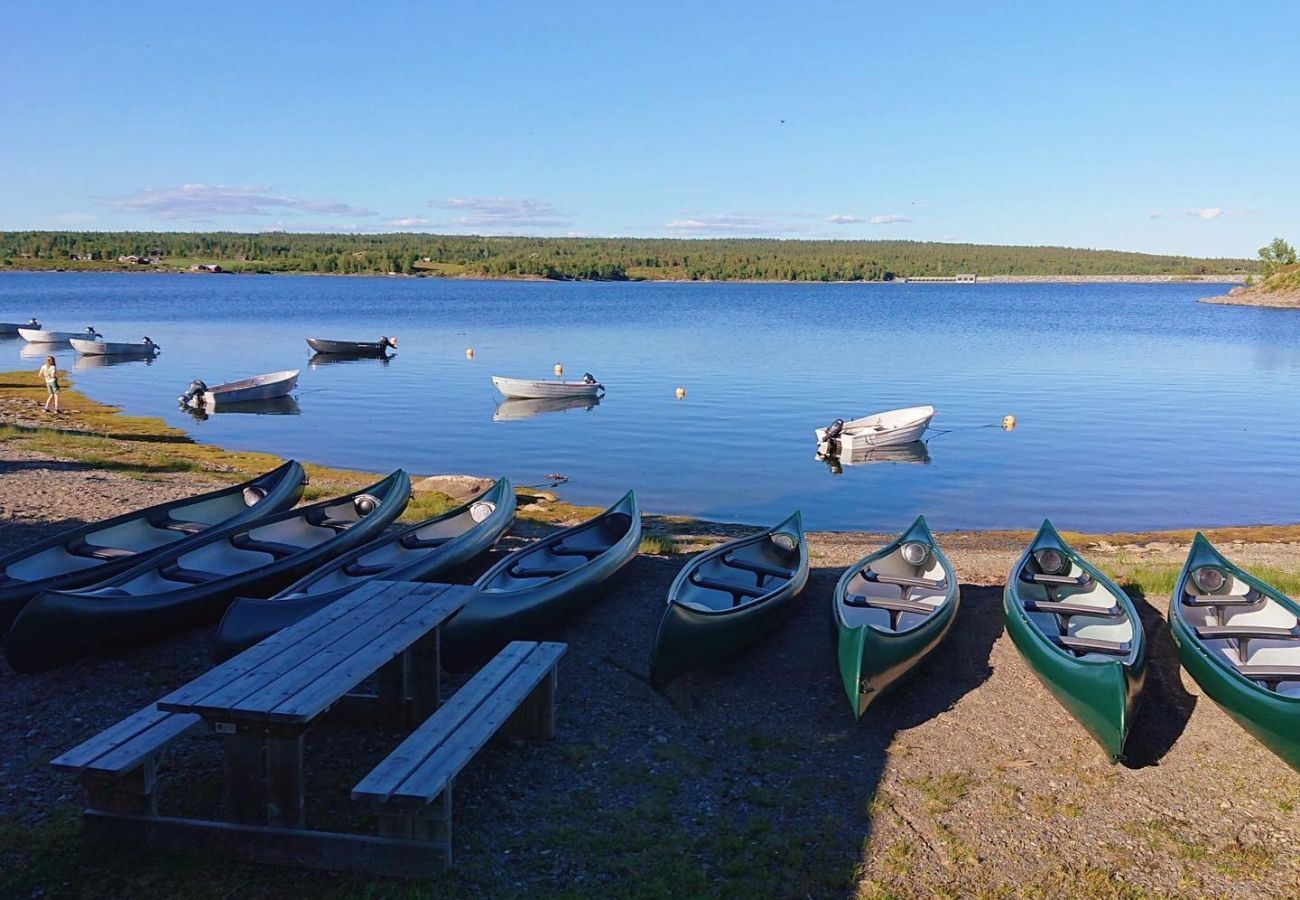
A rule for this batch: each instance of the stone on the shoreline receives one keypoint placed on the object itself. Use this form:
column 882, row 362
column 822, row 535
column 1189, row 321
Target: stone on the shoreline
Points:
column 458, row 487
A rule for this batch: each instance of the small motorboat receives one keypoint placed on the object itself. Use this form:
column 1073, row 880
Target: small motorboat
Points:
column 1239, row 638
column 353, row 348
column 885, row 429
column 892, row 608
column 259, row 387
column 1081, row 636
column 192, row 584
column 727, row 598
column 510, row 410
column 12, row 327
column 543, row 583
column 89, row 554
column 144, row 347
column 36, row 336
column 416, row 552
column 519, row 389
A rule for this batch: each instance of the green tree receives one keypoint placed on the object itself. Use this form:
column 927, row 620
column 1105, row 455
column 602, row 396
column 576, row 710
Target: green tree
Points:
column 1278, row 253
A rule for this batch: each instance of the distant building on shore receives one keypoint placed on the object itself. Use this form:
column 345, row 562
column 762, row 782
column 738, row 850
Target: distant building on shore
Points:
column 206, row 267
column 962, row 278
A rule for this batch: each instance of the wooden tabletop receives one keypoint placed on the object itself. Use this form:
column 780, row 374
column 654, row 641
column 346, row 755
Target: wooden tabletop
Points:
column 301, row 671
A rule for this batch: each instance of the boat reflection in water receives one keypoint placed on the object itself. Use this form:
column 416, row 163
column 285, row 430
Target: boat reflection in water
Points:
column 276, row 406
column 40, row 351
column 330, row 359
column 100, row 361
column 917, row 452
column 508, row 410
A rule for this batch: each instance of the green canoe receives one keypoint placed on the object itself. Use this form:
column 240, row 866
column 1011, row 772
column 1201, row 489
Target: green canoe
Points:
column 727, row 598
column 892, row 608
column 1080, row 634
column 1240, row 639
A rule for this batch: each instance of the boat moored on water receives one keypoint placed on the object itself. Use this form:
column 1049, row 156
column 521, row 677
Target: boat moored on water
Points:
column 143, row 347
column 353, row 348
column 259, row 387
column 885, row 429
column 37, row 336
column 520, row 389
column 727, row 598
column 1239, row 639
column 1080, row 634
column 892, row 609
column 7, row 328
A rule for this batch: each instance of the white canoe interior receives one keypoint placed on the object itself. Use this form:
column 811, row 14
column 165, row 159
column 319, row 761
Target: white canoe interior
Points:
column 893, row 595
column 1076, row 612
column 559, row 554
column 134, row 536
column 1267, row 634
column 240, row 553
column 741, row 573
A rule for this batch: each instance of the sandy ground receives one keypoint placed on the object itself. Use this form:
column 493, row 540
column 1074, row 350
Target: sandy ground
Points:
column 1240, row 296
column 970, row 779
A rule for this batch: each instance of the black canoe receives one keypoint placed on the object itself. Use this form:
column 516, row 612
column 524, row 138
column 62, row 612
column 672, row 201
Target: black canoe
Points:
column 416, row 552
column 192, row 584
column 91, row 553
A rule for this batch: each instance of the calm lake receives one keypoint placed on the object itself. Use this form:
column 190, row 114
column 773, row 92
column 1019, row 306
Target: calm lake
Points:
column 1137, row 407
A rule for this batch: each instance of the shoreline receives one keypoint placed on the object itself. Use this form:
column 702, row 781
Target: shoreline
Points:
column 1242, row 296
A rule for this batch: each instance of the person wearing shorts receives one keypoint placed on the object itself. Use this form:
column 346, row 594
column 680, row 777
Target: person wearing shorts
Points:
column 51, row 375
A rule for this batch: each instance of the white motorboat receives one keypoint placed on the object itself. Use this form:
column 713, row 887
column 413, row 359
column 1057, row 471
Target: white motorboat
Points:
column 36, row 336
column 884, row 429
column 12, row 327
column 144, row 347
column 259, row 387
column 519, row 389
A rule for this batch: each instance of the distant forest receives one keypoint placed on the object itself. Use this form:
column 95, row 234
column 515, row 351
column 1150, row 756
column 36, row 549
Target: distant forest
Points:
column 606, row 259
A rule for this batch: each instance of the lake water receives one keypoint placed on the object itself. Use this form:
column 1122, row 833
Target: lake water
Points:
column 1136, row 406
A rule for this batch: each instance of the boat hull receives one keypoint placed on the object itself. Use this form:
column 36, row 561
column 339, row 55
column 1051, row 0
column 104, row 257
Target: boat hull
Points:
column 1102, row 696
column 260, row 387
column 493, row 616
column 518, row 389
column 12, row 327
column 113, row 348
column 690, row 637
column 58, row 627
column 349, row 348
column 282, row 487
column 36, row 336
column 875, row 660
column 249, row 620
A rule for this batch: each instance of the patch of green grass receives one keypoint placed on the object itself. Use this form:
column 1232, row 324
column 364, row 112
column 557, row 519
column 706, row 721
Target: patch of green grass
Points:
column 657, row 545
column 942, row 792
column 1155, row 579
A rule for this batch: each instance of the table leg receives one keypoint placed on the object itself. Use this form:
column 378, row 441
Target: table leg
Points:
column 426, row 676
column 284, row 781
column 245, row 785
column 392, row 693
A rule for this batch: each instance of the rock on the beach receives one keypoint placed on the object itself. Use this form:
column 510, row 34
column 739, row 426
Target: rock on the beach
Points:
column 458, row 487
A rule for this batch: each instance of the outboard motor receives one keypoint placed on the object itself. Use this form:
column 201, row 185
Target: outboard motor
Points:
column 390, row 341
column 91, row 332
column 32, row 323
column 588, row 378
column 835, row 429
column 195, row 391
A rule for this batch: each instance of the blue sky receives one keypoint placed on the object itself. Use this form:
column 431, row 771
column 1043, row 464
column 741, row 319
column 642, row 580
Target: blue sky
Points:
column 1160, row 126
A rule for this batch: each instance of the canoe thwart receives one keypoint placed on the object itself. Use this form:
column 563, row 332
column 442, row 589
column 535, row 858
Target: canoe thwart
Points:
column 1250, row 599
column 1270, row 673
column 1090, row 645
column 589, row 553
column 736, row 590
column 758, row 568
column 1066, row 608
column 891, row 604
column 79, row 547
column 414, row 542
column 1247, row 632
column 242, row 541
column 175, row 572
column 1042, row 578
column 167, row 522
column 905, row 581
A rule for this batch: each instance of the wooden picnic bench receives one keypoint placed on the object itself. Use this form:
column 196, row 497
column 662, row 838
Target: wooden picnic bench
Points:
column 263, row 701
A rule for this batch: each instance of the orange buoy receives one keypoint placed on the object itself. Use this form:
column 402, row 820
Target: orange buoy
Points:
column 681, row 393
column 559, row 370
column 1008, row 423
column 469, row 352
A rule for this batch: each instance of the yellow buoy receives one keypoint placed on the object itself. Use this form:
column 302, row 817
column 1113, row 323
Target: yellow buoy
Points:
column 1008, row 423
column 469, row 352
column 559, row 370
column 680, row 392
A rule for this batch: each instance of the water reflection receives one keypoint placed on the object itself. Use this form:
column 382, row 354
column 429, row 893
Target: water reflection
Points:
column 104, row 360
column 917, row 453
column 276, row 406
column 39, row 351
column 330, row 359
column 508, row 410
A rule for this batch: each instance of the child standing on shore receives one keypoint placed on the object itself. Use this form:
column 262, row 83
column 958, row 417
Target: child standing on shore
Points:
column 51, row 375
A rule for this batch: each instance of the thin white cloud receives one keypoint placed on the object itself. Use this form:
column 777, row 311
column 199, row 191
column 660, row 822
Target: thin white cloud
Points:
column 1204, row 213
column 845, row 220
column 1209, row 212
column 889, row 220
column 921, row 204
column 407, row 222
column 203, row 202
column 726, row 223
column 495, row 213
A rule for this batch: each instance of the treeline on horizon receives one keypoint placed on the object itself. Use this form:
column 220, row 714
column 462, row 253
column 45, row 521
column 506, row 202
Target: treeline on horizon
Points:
column 607, row 259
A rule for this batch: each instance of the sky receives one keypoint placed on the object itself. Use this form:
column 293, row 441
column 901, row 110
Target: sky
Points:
column 1164, row 127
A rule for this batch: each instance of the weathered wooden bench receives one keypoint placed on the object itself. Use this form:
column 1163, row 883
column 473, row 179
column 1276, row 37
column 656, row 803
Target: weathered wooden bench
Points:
column 514, row 693
column 118, row 768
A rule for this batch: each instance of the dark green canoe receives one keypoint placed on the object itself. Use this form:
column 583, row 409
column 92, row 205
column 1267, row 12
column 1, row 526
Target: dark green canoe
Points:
column 727, row 598
column 1239, row 638
column 892, row 608
column 1080, row 634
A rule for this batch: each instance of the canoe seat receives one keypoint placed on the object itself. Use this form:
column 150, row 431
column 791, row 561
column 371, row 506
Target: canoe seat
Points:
column 904, row 581
column 758, row 568
column 79, row 547
column 1247, row 632
column 1090, row 645
column 363, row 570
column 170, row 524
column 1251, row 598
column 521, row 571
column 1270, row 674
column 588, row 553
column 413, row 542
column 177, row 572
column 322, row 519
column 242, row 541
column 737, row 591
column 411, row 790
column 1066, row 608
column 118, row 767
column 891, row 604
column 1042, row 578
